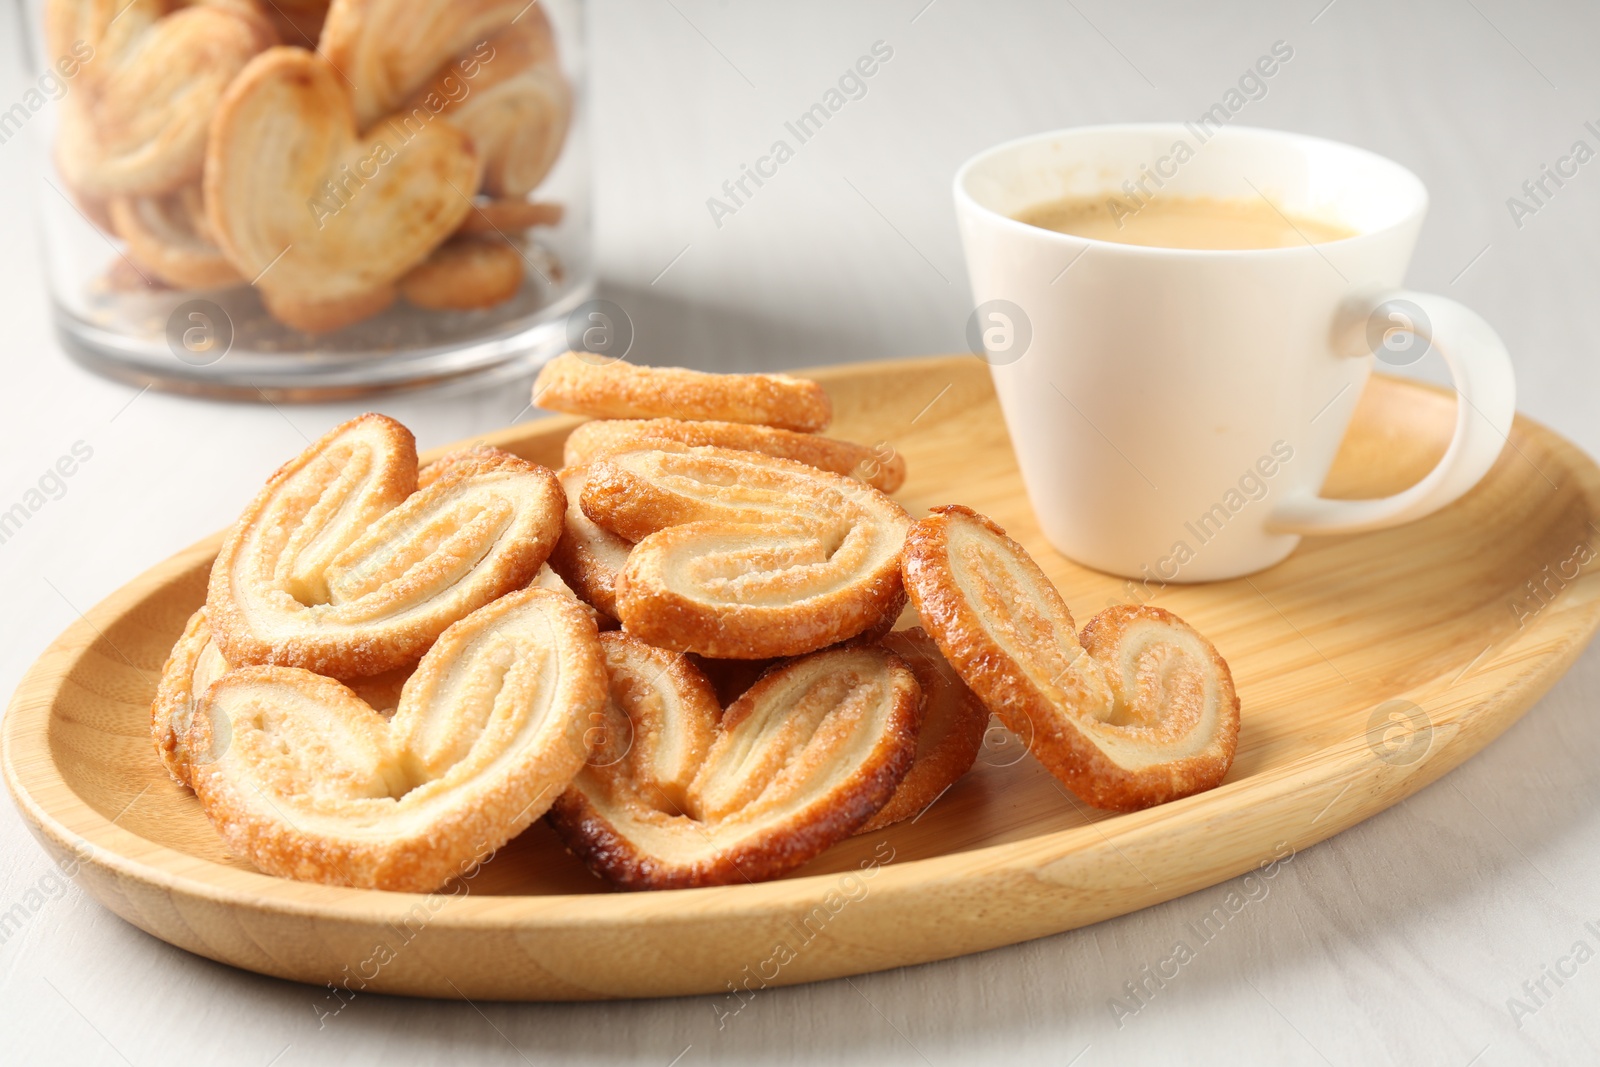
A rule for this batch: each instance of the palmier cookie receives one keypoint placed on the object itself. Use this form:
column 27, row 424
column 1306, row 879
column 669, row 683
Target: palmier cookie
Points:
column 464, row 274
column 588, row 557
column 880, row 467
column 339, row 567
column 386, row 49
column 953, row 724
column 323, row 217
column 138, row 115
column 509, row 95
column 306, row 781
column 743, row 556
column 196, row 662
column 680, row 794
column 583, row 384
column 1141, row 712
column 169, row 237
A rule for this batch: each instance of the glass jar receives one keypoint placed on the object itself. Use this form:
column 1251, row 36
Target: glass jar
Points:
column 305, row 199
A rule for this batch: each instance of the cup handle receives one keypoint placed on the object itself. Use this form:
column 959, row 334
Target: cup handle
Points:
column 1486, row 403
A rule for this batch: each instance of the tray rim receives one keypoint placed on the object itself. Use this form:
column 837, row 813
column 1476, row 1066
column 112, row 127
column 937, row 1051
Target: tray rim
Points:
column 1521, row 669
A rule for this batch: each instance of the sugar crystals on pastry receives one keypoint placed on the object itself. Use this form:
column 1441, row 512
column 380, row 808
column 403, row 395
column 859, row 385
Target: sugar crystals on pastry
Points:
column 588, row 557
column 584, row 384
column 196, row 661
column 1137, row 711
column 342, row 566
column 738, row 555
column 307, row 781
column 954, row 721
column 692, row 795
column 880, row 467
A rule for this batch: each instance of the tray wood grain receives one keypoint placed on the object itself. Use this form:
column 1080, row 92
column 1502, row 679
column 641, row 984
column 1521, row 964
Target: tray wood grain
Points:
column 1441, row 614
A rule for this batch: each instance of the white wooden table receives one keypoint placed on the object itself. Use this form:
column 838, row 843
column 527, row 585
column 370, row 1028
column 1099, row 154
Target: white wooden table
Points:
column 1400, row 941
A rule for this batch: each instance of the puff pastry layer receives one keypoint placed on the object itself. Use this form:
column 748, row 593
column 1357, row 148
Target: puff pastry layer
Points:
column 583, row 384
column 304, row 779
column 1138, row 711
column 136, row 120
column 321, row 219
column 588, row 557
column 680, row 794
column 464, row 274
column 509, row 94
column 170, row 237
column 743, row 556
column 195, row 662
column 387, row 49
column 341, row 566
column 880, row 467
column 953, row 724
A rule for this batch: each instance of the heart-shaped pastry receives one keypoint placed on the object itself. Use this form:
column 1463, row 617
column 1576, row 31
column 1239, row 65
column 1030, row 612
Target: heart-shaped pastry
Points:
column 679, row 793
column 386, row 49
column 464, row 274
column 880, row 466
column 137, row 118
column 170, row 237
column 304, row 779
column 586, row 384
column 509, row 93
column 342, row 566
column 195, row 662
column 954, row 721
column 315, row 215
column 742, row 556
column 1139, row 711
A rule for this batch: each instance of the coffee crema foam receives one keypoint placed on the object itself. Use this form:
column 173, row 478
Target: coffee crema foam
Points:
column 1196, row 222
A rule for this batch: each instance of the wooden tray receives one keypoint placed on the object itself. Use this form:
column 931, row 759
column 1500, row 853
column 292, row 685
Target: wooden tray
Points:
column 1368, row 666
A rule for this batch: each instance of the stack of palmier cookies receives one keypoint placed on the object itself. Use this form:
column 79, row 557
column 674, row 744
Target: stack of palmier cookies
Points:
column 679, row 649
column 335, row 154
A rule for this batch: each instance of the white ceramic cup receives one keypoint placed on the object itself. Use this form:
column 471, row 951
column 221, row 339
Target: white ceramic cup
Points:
column 1174, row 412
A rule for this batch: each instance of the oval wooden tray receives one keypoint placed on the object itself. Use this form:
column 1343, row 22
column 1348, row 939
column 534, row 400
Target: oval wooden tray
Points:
column 1367, row 666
